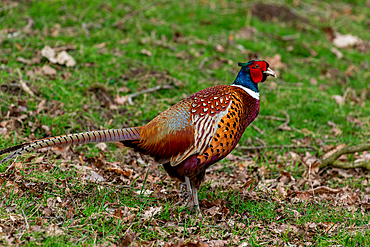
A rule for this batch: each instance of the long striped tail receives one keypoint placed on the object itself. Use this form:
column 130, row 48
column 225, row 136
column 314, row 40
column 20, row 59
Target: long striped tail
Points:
column 113, row 135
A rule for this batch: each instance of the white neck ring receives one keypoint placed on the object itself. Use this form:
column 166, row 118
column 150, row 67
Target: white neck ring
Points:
column 249, row 91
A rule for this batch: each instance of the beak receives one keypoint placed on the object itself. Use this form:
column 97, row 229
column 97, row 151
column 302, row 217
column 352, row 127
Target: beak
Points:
column 270, row 72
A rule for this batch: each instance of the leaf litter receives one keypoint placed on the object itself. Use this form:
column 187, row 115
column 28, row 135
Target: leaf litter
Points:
column 250, row 181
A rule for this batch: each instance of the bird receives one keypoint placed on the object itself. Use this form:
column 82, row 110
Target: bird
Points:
column 188, row 137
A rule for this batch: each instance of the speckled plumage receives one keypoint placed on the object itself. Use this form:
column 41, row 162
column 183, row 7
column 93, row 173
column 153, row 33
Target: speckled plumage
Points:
column 191, row 135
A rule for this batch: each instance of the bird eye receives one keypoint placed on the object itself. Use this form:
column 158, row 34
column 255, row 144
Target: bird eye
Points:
column 256, row 66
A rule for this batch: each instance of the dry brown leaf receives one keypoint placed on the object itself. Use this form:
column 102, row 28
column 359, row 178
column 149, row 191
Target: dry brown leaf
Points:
column 64, row 58
column 349, row 198
column 146, row 52
column 121, row 100
column 313, row 81
column 126, row 240
column 152, row 212
column 303, row 196
column 339, row 99
column 49, row 53
column 346, row 40
column 144, row 192
column 281, row 190
column 351, row 70
column 9, row 186
column 219, row 48
column 47, row 70
column 212, row 211
column 246, row 33
column 54, row 230
column 275, row 62
column 101, row 146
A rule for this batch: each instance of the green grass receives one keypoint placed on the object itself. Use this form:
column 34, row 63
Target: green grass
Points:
column 180, row 35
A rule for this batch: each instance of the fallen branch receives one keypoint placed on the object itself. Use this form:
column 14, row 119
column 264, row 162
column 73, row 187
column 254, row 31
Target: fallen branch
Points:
column 149, row 90
column 332, row 159
column 346, row 165
column 276, row 147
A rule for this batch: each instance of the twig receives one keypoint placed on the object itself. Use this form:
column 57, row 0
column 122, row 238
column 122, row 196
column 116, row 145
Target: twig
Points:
column 202, row 63
column 13, row 162
column 276, row 147
column 150, row 90
column 284, row 126
column 25, row 219
column 322, row 190
column 331, row 160
column 257, row 129
column 23, row 84
column 133, row 13
column 272, row 118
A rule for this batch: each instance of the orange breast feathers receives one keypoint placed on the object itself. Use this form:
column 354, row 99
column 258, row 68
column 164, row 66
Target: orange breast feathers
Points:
column 168, row 135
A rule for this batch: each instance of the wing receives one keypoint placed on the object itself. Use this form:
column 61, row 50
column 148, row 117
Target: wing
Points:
column 187, row 128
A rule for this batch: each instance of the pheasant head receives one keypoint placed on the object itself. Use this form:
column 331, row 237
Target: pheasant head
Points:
column 251, row 73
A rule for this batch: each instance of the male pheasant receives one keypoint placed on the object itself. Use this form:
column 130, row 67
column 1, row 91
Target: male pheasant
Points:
column 188, row 137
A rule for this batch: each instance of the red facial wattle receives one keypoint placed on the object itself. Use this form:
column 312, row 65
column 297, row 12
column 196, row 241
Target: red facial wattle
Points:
column 256, row 70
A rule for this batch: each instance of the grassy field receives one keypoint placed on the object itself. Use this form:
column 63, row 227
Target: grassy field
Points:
column 98, row 195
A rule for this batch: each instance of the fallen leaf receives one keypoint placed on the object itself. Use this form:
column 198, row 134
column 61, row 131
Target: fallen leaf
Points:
column 47, row 70
column 313, row 81
column 219, row 48
column 275, row 62
column 144, row 192
column 303, row 196
column 121, row 100
column 350, row 71
column 54, row 230
column 146, row 52
column 339, row 99
column 151, row 212
column 213, row 210
column 246, row 33
column 126, row 240
column 49, row 53
column 101, row 146
column 64, row 58
column 281, row 190
column 346, row 40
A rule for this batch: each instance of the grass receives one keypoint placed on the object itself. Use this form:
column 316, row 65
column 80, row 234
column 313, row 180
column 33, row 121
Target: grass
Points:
column 180, row 36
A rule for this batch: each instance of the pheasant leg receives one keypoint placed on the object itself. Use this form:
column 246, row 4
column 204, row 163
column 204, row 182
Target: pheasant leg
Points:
column 195, row 199
column 188, row 186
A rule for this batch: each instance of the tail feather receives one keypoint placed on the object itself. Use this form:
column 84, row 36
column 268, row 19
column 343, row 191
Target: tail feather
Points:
column 79, row 138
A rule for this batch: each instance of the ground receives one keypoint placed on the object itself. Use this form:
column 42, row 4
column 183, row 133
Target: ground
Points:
column 73, row 66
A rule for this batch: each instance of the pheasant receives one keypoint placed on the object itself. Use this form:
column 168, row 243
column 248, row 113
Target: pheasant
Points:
column 188, row 137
